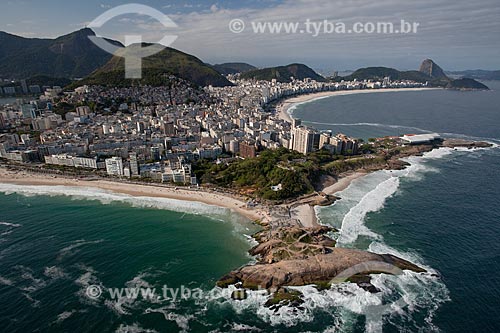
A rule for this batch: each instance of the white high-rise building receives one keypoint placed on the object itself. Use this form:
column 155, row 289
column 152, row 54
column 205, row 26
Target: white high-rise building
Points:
column 303, row 139
column 114, row 166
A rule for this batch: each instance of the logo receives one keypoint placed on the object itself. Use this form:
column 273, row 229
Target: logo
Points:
column 93, row 291
column 134, row 52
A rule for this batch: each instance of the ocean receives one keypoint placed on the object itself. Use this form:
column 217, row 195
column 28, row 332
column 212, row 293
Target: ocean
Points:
column 442, row 213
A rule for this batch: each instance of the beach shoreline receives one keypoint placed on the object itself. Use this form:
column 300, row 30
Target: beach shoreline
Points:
column 239, row 206
column 284, row 106
column 303, row 212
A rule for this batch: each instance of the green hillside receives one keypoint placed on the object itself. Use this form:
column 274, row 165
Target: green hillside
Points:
column 284, row 73
column 154, row 70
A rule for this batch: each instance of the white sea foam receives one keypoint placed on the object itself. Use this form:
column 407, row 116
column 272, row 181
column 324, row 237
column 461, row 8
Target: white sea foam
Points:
column 6, row 281
column 66, row 314
column 371, row 125
column 353, row 223
column 107, row 197
column 244, row 328
column 74, row 248
column 14, row 225
column 86, row 279
column 55, row 272
column 27, row 275
column 134, row 328
column 422, row 293
column 182, row 321
column 10, row 227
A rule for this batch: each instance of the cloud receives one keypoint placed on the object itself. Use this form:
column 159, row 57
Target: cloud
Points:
column 450, row 31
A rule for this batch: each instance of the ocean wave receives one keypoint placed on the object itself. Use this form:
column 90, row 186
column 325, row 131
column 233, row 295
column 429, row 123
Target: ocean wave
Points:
column 5, row 281
column 74, row 248
column 108, row 197
column 353, row 223
column 66, row 314
column 10, row 227
column 28, row 275
column 85, row 280
column 134, row 328
column 421, row 294
column 370, row 125
column 182, row 321
column 55, row 272
column 14, row 225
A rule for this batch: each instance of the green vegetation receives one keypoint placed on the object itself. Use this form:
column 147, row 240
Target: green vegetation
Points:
column 154, row 70
column 298, row 174
column 379, row 73
column 233, row 68
column 466, row 84
column 285, row 297
column 284, row 73
column 271, row 168
column 429, row 72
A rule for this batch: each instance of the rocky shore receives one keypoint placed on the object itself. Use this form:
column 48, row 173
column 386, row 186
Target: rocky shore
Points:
column 291, row 253
column 298, row 256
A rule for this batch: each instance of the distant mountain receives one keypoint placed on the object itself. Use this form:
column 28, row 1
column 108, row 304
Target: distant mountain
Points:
column 70, row 56
column 284, row 73
column 430, row 68
column 466, row 84
column 233, row 68
column 156, row 69
column 379, row 73
column 478, row 74
column 429, row 73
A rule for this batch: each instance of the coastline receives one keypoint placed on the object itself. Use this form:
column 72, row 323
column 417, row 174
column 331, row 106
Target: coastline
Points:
column 137, row 190
column 283, row 107
column 300, row 211
column 303, row 212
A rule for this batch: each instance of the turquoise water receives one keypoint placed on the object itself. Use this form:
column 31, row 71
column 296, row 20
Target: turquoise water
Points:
column 442, row 213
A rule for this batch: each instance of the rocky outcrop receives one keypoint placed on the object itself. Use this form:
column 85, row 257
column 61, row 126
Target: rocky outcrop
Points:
column 466, row 84
column 460, row 143
column 299, row 256
column 430, row 68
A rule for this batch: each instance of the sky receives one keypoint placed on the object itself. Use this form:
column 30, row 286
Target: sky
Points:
column 456, row 34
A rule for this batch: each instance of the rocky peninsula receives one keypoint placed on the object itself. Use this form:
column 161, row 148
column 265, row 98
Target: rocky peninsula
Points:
column 292, row 253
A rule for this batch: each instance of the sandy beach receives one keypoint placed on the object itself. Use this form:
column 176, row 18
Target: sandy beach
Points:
column 209, row 198
column 283, row 107
column 305, row 213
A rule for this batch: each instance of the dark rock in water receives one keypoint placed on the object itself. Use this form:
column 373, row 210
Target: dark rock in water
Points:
column 369, row 287
column 314, row 269
column 285, row 297
column 295, row 256
column 364, row 281
column 239, row 295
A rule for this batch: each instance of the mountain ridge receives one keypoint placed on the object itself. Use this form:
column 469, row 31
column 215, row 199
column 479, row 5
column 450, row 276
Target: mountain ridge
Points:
column 423, row 75
column 167, row 62
column 284, row 73
column 70, row 56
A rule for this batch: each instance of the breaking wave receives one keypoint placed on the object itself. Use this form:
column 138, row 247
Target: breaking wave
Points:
column 108, row 197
